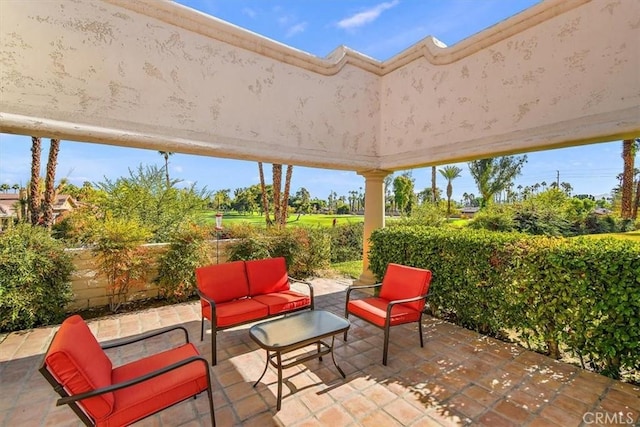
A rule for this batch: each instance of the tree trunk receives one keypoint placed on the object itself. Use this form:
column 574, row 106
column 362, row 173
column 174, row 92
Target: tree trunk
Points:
column 49, row 189
column 636, row 205
column 277, row 201
column 433, row 184
column 265, row 200
column 449, row 194
column 627, row 179
column 285, row 195
column 34, row 190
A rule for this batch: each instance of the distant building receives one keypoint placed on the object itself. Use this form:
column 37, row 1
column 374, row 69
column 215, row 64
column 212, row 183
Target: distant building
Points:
column 469, row 211
column 10, row 207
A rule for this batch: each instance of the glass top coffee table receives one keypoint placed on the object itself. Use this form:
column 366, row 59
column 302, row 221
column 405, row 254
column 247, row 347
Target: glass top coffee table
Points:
column 293, row 332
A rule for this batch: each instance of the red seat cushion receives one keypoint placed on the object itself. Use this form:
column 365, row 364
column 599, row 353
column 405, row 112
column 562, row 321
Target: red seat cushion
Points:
column 77, row 361
column 374, row 310
column 223, row 282
column 401, row 282
column 138, row 401
column 279, row 302
column 267, row 276
column 239, row 311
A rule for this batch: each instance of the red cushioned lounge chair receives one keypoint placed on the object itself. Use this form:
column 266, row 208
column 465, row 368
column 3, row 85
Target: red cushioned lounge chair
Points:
column 403, row 294
column 79, row 370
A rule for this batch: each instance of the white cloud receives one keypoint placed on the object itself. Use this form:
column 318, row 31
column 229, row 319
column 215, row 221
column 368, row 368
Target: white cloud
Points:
column 367, row 16
column 298, row 28
column 249, row 12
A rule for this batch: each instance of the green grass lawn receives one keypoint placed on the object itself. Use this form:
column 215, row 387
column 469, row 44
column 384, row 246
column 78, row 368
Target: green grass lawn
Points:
column 352, row 269
column 307, row 220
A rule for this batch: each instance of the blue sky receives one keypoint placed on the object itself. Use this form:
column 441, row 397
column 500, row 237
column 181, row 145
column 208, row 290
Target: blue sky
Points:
column 380, row 29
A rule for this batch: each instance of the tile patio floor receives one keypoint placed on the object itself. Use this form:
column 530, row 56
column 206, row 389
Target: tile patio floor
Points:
column 458, row 378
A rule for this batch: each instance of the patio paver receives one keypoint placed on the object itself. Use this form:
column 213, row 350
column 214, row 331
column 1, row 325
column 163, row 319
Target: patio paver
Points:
column 458, row 378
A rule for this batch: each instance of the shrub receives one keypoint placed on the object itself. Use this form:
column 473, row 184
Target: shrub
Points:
column 577, row 295
column 429, row 214
column 121, row 258
column 494, row 218
column 305, row 249
column 346, row 242
column 176, row 267
column 35, row 274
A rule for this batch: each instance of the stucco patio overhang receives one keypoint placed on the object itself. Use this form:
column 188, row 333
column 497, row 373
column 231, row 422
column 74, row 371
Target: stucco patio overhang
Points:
column 157, row 75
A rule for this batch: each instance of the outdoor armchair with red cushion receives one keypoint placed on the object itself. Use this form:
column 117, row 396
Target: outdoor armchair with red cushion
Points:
column 403, row 293
column 80, row 371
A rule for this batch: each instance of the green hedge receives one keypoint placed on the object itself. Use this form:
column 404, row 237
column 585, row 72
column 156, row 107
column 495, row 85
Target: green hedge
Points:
column 561, row 295
column 35, row 275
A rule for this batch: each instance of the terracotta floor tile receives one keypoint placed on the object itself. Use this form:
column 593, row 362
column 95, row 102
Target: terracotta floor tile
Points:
column 465, row 405
column 560, row 416
column 512, row 411
column 402, row 411
column 494, row 419
column 334, row 416
column 379, row 418
column 359, row 406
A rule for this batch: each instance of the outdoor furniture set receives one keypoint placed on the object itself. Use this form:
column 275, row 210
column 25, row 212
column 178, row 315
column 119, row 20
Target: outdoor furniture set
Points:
column 231, row 294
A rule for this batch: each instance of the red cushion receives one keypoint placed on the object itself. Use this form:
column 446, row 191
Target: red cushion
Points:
column 401, row 282
column 138, row 401
column 78, row 362
column 239, row 311
column 223, row 282
column 267, row 276
column 374, row 310
column 280, row 302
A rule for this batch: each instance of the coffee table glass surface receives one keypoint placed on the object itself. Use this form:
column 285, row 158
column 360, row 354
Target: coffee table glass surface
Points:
column 293, row 332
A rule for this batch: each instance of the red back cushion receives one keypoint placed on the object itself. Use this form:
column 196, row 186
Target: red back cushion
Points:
column 267, row 275
column 401, row 281
column 78, row 362
column 223, row 282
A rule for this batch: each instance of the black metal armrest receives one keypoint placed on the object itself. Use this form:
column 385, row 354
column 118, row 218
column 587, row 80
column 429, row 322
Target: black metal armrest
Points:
column 359, row 287
column 144, row 336
column 402, row 301
column 293, row 279
column 146, row 377
column 206, row 298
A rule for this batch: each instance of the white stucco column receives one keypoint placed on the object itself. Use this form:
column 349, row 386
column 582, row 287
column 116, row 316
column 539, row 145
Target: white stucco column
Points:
column 373, row 217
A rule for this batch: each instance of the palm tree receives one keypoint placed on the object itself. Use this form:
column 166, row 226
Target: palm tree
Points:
column 433, row 184
column 450, row 173
column 34, row 193
column 15, row 188
column 4, row 187
column 166, row 155
column 50, row 190
column 629, row 149
column 265, row 200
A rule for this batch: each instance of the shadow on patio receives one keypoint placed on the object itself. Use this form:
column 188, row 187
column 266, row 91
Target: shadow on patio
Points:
column 458, row 378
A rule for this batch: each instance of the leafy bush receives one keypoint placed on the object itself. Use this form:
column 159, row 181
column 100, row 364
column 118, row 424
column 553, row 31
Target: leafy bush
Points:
column 305, row 249
column 430, row 214
column 121, row 258
column 176, row 267
column 346, row 242
column 494, row 218
column 35, row 274
column 578, row 295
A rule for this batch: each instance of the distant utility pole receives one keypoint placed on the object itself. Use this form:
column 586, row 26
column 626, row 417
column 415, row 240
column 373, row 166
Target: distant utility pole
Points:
column 557, row 179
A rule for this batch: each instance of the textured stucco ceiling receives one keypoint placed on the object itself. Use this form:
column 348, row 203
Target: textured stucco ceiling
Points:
column 159, row 75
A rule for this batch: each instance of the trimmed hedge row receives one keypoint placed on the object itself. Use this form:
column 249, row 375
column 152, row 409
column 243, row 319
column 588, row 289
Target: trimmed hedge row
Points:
column 580, row 295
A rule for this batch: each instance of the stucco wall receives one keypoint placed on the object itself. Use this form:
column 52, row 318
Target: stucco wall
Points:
column 96, row 64
column 89, row 286
column 544, row 86
column 158, row 75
